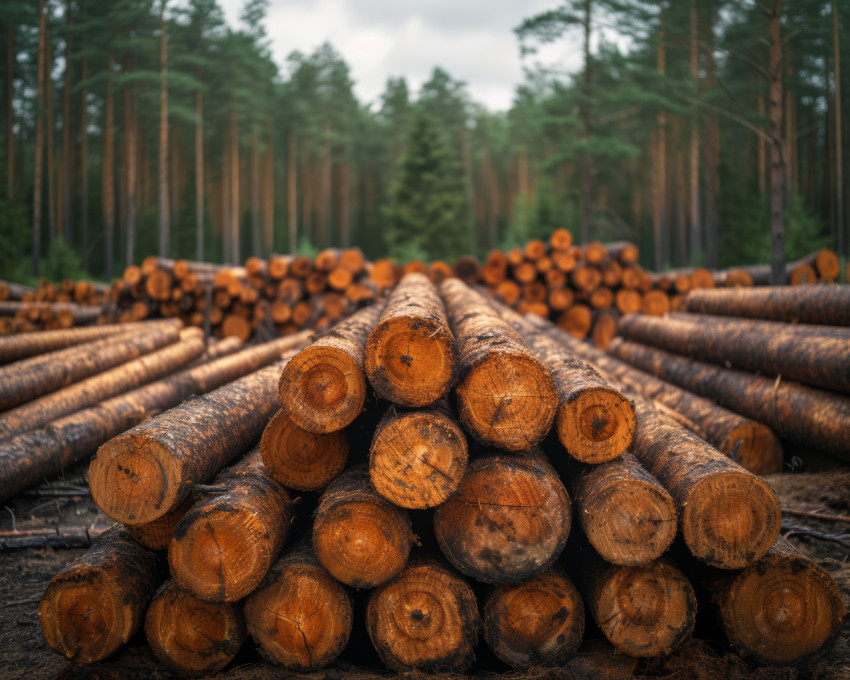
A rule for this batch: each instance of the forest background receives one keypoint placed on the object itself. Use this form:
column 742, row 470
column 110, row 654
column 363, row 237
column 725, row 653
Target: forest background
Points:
column 138, row 127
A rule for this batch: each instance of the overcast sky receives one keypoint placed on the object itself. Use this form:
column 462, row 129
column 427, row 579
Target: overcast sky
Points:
column 472, row 39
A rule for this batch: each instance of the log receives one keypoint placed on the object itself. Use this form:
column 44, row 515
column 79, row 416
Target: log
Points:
column 627, row 253
column 323, row 387
column 40, row 342
column 626, row 514
column 14, row 291
column 225, row 543
column 643, row 611
column 468, row 269
column 813, row 355
column 824, row 262
column 427, row 619
column 190, row 636
column 157, row 535
column 417, row 457
column 560, row 239
column 781, row 609
column 605, row 325
column 299, row 459
column 508, row 521
column 102, row 386
column 410, row 357
column 300, row 617
column 540, row 622
column 150, row 469
column 362, row 539
column 218, row 349
column 30, row 378
column 576, row 321
column 384, row 273
column 827, row 304
column 654, row 303
column 505, row 396
column 96, row 604
column 812, row 417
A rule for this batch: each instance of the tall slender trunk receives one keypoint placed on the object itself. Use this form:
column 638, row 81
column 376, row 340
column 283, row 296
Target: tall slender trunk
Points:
column 790, row 128
column 66, row 131
column 762, row 151
column 84, row 162
column 50, row 175
column 226, row 231
column 10, row 112
column 199, row 175
column 36, row 201
column 466, row 159
column 109, row 171
column 344, row 197
column 522, row 186
column 839, row 165
column 256, row 226
column 307, row 193
column 325, row 204
column 681, row 182
column 587, row 161
column 712, row 153
column 662, row 244
column 235, row 220
column 291, row 194
column 131, row 103
column 268, row 194
column 777, row 152
column 696, row 232
column 164, row 235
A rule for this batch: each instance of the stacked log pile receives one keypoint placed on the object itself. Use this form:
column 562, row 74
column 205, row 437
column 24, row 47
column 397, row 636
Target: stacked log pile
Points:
column 433, row 510
column 50, row 306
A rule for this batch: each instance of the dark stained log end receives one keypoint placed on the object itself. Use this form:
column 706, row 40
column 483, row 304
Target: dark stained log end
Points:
column 596, row 424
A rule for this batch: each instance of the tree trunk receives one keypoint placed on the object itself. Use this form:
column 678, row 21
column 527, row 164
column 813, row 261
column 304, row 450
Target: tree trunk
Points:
column 712, row 154
column 841, row 243
column 199, row 176
column 325, row 211
column 10, row 113
column 50, row 175
column 36, row 209
column 66, row 132
column 292, row 194
column 344, row 200
column 109, row 171
column 84, row 164
column 662, row 248
column 268, row 195
column 696, row 232
column 235, row 226
column 256, row 223
column 586, row 114
column 681, row 179
column 164, row 235
column 226, row 231
column 762, row 154
column 466, row 159
column 777, row 151
column 130, row 146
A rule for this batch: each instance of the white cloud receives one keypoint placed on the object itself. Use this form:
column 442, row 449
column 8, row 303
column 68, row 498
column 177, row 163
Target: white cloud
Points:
column 471, row 39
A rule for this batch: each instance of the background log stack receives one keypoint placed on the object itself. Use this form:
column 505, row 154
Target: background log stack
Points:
column 434, row 510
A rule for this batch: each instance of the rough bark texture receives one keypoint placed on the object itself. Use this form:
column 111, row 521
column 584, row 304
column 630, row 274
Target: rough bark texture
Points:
column 626, row 514
column 826, row 304
column 193, row 637
column 80, row 395
column 644, row 611
column 225, row 543
column 362, row 539
column 540, row 622
column 505, row 396
column 809, row 354
column 595, row 422
column 427, row 619
column 410, row 356
column 300, row 617
column 781, row 609
column 150, row 469
column 806, row 415
column 30, row 378
column 96, row 604
column 323, row 388
column 418, row 457
column 299, row 459
column 508, row 521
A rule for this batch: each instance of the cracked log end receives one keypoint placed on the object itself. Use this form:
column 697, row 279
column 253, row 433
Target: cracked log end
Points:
column 596, row 425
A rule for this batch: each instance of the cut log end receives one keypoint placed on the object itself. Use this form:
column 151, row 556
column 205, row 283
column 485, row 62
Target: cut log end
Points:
column 322, row 389
column 731, row 519
column 507, row 401
column 410, row 361
column 535, row 623
column 754, row 447
column 426, row 619
column 596, row 425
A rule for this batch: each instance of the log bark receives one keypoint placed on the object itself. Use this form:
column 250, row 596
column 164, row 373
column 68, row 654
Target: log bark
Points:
column 150, row 469
column 157, row 535
column 505, row 396
column 594, row 421
column 808, row 354
column 508, row 521
column 809, row 416
column 540, row 622
column 193, row 637
column 418, row 457
column 299, row 459
column 80, row 395
column 827, row 304
column 323, row 388
column 427, row 619
column 30, row 378
column 781, row 609
column 96, row 604
column 410, row 356
column 225, row 543
column 362, row 539
column 300, row 617
column 643, row 611
column 626, row 514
